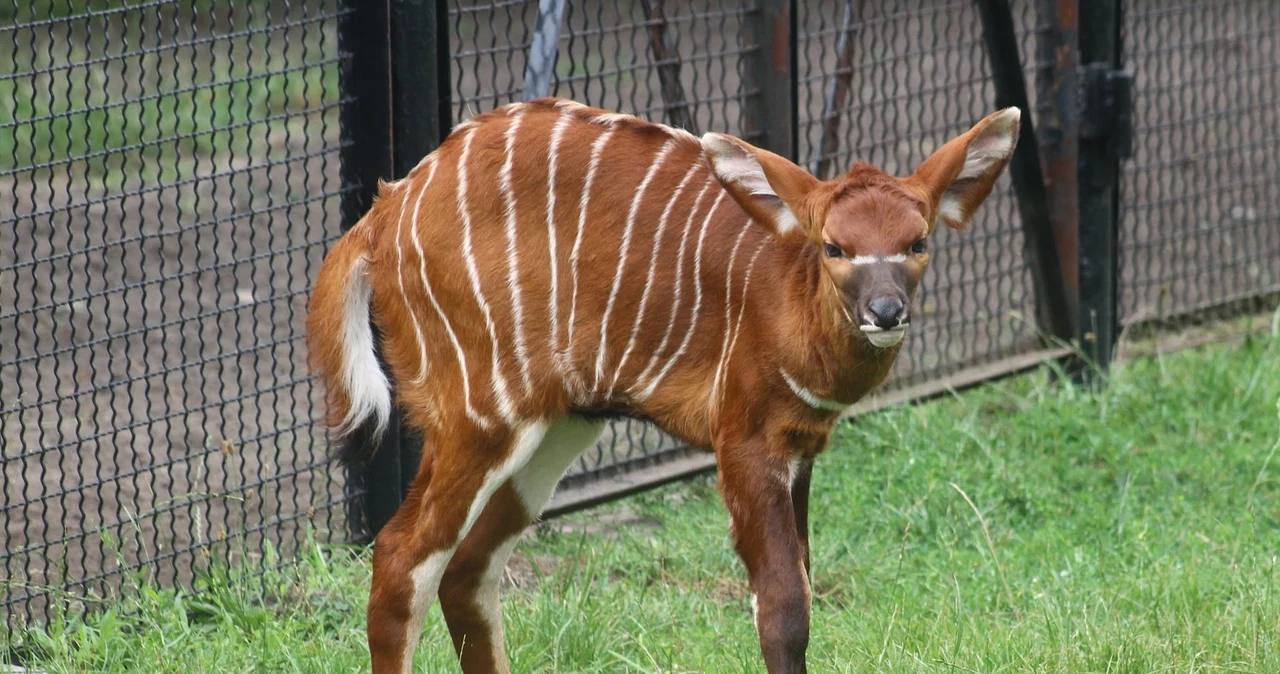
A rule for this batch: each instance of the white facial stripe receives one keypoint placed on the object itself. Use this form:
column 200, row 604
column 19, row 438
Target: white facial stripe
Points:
column 876, row 259
column 810, row 398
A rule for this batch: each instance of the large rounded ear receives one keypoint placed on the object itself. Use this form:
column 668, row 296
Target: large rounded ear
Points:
column 957, row 178
column 768, row 187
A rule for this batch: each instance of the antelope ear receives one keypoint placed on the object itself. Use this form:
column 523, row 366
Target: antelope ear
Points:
column 768, row 187
column 958, row 177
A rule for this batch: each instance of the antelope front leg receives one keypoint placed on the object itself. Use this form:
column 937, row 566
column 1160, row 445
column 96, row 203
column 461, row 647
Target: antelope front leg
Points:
column 800, row 504
column 756, row 485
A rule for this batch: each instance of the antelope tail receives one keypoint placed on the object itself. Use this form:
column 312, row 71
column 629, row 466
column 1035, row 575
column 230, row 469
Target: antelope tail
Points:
column 341, row 349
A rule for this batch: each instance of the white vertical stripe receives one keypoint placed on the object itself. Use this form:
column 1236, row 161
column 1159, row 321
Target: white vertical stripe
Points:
column 726, row 355
column 653, row 267
column 597, row 148
column 557, row 133
column 697, row 303
column 472, row 414
column 499, row 382
column 675, row 299
column 728, row 310
column 654, row 166
column 513, row 261
column 413, row 315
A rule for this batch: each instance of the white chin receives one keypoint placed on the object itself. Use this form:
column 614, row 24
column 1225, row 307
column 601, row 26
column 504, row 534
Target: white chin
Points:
column 885, row 338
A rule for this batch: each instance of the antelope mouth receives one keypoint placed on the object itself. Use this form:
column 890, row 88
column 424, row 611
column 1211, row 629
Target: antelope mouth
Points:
column 883, row 338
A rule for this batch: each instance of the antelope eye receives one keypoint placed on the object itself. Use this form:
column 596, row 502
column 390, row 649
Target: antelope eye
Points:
column 919, row 247
column 833, row 250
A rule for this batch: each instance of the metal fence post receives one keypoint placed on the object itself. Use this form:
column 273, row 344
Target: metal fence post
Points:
column 1057, row 125
column 365, row 123
column 1105, row 137
column 421, row 115
column 771, row 118
column 397, row 78
column 1053, row 309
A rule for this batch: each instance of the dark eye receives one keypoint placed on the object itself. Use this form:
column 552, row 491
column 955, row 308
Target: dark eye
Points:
column 919, row 247
column 833, row 250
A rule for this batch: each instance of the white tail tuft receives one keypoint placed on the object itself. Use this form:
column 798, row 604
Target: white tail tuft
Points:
column 366, row 384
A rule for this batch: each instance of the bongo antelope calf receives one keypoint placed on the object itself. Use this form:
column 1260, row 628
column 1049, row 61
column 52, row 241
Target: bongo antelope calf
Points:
column 551, row 265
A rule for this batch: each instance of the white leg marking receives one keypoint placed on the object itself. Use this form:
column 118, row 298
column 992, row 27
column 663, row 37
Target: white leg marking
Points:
column 413, row 315
column 726, row 354
column 564, row 442
column 472, row 414
column 426, row 575
column 653, row 267
column 597, row 148
column 755, row 610
column 513, row 269
column 697, row 303
column 622, row 257
column 425, row 578
column 675, row 299
column 557, row 133
column 489, row 602
column 505, row 406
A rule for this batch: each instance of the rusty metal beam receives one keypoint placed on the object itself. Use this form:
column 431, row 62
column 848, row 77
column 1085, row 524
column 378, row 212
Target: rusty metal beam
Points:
column 838, row 96
column 1053, row 310
column 675, row 104
column 1058, row 124
column 771, row 79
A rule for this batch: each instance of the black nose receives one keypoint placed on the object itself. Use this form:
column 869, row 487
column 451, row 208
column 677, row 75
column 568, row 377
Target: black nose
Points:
column 887, row 311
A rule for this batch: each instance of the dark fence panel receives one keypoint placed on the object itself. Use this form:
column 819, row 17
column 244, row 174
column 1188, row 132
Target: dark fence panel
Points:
column 168, row 186
column 1200, row 201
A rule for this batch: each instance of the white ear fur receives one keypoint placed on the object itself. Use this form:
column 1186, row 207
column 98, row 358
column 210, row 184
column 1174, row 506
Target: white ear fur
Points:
column 986, row 153
column 993, row 146
column 735, row 165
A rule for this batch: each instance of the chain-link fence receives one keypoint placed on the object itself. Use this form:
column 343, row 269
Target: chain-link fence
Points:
column 173, row 172
column 1201, row 209
column 168, row 186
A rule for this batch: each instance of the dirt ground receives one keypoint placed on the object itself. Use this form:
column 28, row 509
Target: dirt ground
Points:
column 154, row 398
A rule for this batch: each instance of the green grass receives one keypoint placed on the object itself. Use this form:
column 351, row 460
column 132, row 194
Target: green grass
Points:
column 1132, row 530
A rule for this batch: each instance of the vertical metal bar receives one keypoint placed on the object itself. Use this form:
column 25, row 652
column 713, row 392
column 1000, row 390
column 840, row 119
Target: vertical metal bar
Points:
column 420, row 115
column 676, row 106
column 540, row 69
column 1053, row 310
column 838, row 95
column 771, row 73
column 1099, row 175
column 367, row 156
column 1057, row 122
column 420, row 105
